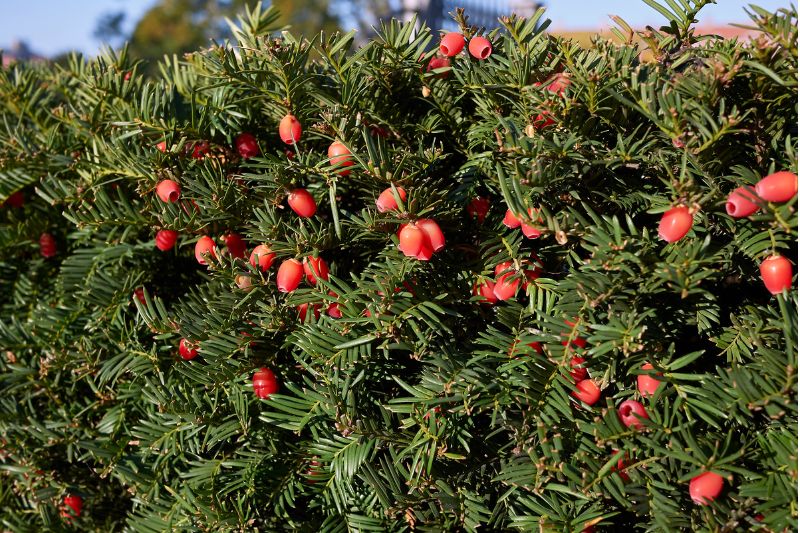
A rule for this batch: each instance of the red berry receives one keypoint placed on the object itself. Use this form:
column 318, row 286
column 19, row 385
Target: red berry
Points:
column 578, row 372
column 647, row 385
column 262, row 257
column 264, row 383
column 433, row 232
column 586, row 391
column 532, row 273
column 200, row 149
column 138, row 293
column 675, row 223
column 290, row 129
column 333, row 308
column 247, row 145
column 340, row 156
column 705, row 488
column 302, row 311
column 162, row 146
column 486, row 291
column 290, row 274
column 236, row 245
column 188, row 350
column 315, row 267
column 631, row 412
column 302, row 203
column 578, row 341
column 741, row 202
column 437, row 63
column 511, row 220
column 543, row 120
column 776, row 273
column 531, row 232
column 480, row 47
column 535, row 346
column 412, row 239
column 16, row 200
column 386, row 201
column 426, row 252
column 505, row 287
column 622, row 464
column 777, row 187
column 204, row 249
column 47, row 245
column 168, row 191
column 72, row 506
column 559, row 84
column 165, row 239
column 452, row 43
column 478, row 208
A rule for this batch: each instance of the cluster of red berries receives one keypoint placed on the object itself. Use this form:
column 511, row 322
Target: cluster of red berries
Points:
column 452, row 43
column 776, row 270
column 704, row 488
column 556, row 86
column 514, row 221
column 420, row 239
column 509, row 277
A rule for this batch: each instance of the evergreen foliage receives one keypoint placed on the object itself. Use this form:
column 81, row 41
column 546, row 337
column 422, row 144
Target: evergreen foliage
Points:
column 431, row 412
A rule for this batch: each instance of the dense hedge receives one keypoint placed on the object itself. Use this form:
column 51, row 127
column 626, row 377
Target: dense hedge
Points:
column 410, row 402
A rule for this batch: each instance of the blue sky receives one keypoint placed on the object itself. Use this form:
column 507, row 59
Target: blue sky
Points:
column 53, row 26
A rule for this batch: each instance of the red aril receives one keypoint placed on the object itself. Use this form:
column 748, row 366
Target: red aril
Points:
column 47, row 245
column 340, row 156
column 741, row 202
column 631, row 413
column 302, row 203
column 433, row 232
column 262, row 257
column 412, row 239
column 486, row 291
column 511, row 220
column 264, row 383
column 204, row 249
column 675, row 224
column 302, row 311
column 386, row 201
column 452, row 43
column 165, row 239
column 168, row 191
column 777, row 187
column 647, row 384
column 236, row 245
column 315, row 267
column 187, row 349
column 507, row 282
column 776, row 273
column 586, row 391
column 705, row 488
column 72, row 506
column 480, row 47
column 478, row 208
column 290, row 273
column 578, row 372
column 246, row 145
column 290, row 129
